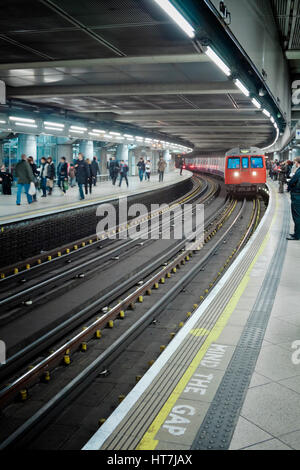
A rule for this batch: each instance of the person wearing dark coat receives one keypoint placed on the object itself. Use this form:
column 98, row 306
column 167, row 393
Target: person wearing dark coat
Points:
column 114, row 170
column 81, row 174
column 89, row 182
column 141, row 167
column 25, row 177
column 95, row 170
column 123, row 172
column 6, row 179
column 294, row 189
column 50, row 175
column 62, row 174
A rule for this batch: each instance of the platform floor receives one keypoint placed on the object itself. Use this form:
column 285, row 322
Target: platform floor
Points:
column 230, row 379
column 104, row 191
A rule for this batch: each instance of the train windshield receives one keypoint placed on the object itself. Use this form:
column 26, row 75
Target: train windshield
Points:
column 257, row 162
column 233, row 163
column 245, row 162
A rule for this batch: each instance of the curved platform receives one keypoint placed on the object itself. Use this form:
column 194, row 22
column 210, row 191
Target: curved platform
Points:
column 103, row 192
column 229, row 378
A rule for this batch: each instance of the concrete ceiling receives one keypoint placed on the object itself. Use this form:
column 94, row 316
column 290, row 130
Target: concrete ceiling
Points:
column 124, row 61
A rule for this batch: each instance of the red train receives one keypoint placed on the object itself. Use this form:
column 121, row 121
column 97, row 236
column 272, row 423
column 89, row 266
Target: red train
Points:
column 243, row 169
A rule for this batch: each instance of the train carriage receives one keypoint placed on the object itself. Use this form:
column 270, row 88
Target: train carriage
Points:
column 243, row 169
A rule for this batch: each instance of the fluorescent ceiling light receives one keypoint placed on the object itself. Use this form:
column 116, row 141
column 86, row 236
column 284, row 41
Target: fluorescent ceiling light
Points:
column 242, row 87
column 99, row 130
column 115, row 133
column 256, row 103
column 14, row 118
column 108, row 136
column 25, row 124
column 272, row 119
column 129, row 138
column 94, row 133
column 139, row 138
column 54, row 128
column 219, row 62
column 77, row 131
column 128, row 135
column 2, row 122
column 177, row 17
column 54, row 124
column 266, row 113
column 79, row 128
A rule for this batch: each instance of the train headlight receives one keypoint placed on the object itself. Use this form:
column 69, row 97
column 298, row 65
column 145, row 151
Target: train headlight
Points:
column 254, row 173
column 236, row 173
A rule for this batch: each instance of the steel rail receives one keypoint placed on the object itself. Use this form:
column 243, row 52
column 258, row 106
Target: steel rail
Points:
column 30, row 376
column 73, row 388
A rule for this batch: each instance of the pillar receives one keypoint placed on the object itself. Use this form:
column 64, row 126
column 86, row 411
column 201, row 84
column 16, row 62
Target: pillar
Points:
column 122, row 152
column 86, row 147
column 65, row 150
column 167, row 158
column 103, row 161
column 27, row 145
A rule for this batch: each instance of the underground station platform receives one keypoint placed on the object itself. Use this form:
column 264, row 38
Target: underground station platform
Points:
column 230, row 377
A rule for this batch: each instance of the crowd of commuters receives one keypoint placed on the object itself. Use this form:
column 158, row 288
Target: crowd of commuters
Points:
column 32, row 178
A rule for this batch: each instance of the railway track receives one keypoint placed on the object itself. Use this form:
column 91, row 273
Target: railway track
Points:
column 80, row 340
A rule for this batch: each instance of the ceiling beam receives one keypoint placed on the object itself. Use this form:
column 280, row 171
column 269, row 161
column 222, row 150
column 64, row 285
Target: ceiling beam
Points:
column 192, row 129
column 112, row 61
column 209, row 116
column 157, row 112
column 202, row 88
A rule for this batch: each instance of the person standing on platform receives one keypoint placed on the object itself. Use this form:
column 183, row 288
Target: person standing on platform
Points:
column 114, row 170
column 6, row 179
column 62, row 175
column 72, row 175
column 141, row 167
column 181, row 165
column 108, row 167
column 89, row 182
column 95, row 170
column 123, row 172
column 161, row 168
column 50, row 175
column 36, row 173
column 294, row 189
column 81, row 174
column 43, row 176
column 282, row 169
column 25, row 177
column 147, row 170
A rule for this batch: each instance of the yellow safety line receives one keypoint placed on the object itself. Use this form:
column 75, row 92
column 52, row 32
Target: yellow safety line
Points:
column 148, row 442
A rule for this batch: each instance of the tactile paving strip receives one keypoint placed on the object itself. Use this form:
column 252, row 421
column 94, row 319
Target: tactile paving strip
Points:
column 220, row 420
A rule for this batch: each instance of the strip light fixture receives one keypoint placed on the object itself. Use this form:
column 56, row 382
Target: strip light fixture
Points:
column 266, row 113
column 60, row 129
column 25, row 124
column 177, row 17
column 53, row 124
column 2, row 122
column 99, row 130
column 115, row 133
column 256, row 103
column 219, row 62
column 14, row 118
column 242, row 87
column 77, row 128
column 76, row 131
